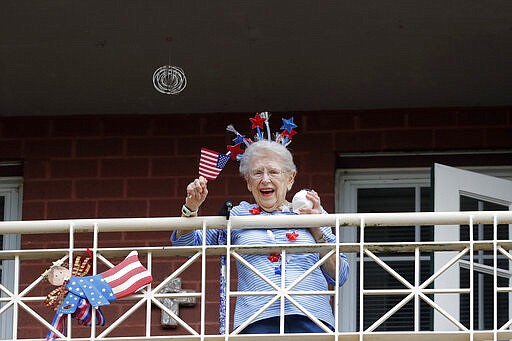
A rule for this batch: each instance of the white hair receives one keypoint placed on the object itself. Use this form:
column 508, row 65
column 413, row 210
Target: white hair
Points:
column 263, row 148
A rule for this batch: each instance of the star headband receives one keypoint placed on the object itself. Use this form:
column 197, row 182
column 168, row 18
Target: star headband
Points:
column 211, row 162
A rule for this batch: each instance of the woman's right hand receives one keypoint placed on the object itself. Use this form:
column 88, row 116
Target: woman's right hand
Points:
column 196, row 193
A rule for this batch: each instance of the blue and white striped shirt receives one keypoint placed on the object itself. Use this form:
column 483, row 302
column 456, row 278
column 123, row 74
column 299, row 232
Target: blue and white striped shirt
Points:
column 296, row 265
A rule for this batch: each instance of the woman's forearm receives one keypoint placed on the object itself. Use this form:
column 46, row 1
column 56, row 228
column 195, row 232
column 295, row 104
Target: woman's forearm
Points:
column 329, row 267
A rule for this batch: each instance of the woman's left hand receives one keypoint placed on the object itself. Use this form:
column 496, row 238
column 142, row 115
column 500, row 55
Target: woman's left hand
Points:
column 315, row 199
column 329, row 266
column 316, row 209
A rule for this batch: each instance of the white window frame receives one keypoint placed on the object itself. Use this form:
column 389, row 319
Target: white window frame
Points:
column 348, row 181
column 11, row 189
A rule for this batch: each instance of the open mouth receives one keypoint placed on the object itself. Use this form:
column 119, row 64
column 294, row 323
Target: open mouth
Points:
column 267, row 191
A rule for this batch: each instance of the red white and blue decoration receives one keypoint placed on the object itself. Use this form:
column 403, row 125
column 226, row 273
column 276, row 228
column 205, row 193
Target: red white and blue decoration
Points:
column 211, row 162
column 260, row 123
column 80, row 295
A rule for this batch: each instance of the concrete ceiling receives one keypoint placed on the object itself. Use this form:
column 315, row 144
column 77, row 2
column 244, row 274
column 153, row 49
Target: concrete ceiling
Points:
column 98, row 57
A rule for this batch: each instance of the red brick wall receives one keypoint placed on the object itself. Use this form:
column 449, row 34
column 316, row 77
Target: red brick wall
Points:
column 139, row 165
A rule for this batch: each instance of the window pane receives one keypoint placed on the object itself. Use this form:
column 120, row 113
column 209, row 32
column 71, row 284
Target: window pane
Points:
column 385, row 200
column 426, row 199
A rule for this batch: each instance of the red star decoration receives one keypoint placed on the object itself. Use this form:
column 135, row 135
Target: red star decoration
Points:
column 257, row 121
column 235, row 150
column 289, row 134
column 292, row 236
column 275, row 257
column 255, row 211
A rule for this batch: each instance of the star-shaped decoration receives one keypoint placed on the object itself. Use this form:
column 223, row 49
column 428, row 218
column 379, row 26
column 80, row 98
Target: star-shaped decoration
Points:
column 274, row 257
column 289, row 134
column 292, row 236
column 255, row 211
column 288, row 124
column 235, row 150
column 257, row 121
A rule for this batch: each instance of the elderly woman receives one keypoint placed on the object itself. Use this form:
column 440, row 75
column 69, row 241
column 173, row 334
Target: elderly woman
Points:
column 269, row 171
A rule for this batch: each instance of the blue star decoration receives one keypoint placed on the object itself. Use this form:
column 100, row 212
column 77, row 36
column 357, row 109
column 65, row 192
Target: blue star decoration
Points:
column 288, row 124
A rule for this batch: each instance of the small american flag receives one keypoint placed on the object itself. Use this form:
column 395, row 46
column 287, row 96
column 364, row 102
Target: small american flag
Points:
column 211, row 163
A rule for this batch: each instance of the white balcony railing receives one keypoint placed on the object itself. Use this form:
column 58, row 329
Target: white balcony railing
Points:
column 22, row 297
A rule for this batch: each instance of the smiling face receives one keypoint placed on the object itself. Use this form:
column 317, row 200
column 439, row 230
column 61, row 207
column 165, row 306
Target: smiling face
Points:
column 269, row 181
